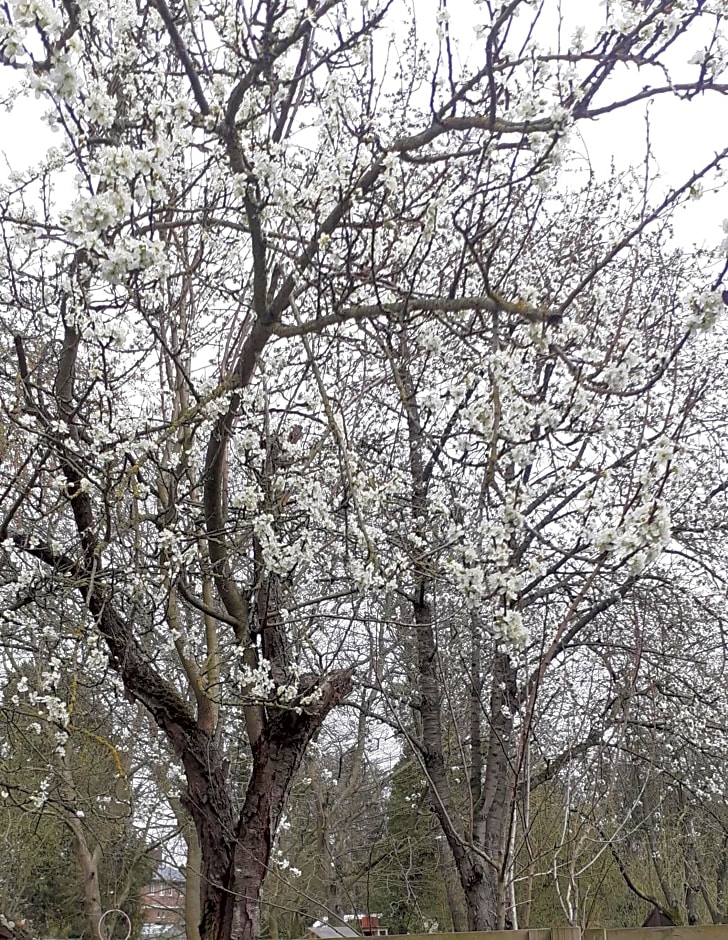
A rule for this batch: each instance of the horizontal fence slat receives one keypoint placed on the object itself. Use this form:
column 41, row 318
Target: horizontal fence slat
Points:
column 707, row 932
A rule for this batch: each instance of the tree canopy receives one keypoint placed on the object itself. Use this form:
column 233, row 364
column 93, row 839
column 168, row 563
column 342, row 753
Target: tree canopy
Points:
column 338, row 392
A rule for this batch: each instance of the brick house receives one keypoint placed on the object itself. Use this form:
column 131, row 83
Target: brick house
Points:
column 163, row 904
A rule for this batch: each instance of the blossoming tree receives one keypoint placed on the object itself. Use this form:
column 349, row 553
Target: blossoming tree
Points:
column 298, row 327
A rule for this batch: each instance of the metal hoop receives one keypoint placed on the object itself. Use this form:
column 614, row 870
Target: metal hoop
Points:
column 114, row 910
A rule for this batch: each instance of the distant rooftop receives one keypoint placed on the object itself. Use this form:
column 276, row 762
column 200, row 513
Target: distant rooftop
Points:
column 327, row 931
column 168, row 873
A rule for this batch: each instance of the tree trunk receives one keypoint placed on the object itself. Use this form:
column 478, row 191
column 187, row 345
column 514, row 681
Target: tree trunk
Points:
column 236, row 852
column 89, row 864
column 478, row 877
column 193, row 868
column 480, row 884
column 453, row 888
column 721, row 884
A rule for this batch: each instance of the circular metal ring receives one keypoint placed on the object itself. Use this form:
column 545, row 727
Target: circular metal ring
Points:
column 123, row 914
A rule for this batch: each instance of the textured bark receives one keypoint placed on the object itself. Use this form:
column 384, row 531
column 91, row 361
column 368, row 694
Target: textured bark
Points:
column 453, row 888
column 276, row 759
column 481, row 895
column 236, row 852
column 88, row 862
column 193, row 885
column 478, row 862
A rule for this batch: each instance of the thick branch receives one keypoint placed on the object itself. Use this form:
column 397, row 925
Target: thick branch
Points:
column 396, row 309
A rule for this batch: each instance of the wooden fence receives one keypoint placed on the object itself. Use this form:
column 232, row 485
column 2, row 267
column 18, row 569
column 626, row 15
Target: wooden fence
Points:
column 719, row 932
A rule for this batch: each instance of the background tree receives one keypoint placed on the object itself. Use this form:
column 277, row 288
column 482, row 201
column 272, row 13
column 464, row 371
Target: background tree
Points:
column 73, row 807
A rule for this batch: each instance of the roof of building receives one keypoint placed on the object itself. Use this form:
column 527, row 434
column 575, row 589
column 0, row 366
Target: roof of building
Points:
column 169, row 874
column 329, row 932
